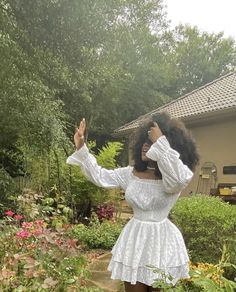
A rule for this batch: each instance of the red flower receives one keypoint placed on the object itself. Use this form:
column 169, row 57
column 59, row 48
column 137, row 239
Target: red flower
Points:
column 58, row 242
column 18, row 217
column 23, row 234
column 9, row 213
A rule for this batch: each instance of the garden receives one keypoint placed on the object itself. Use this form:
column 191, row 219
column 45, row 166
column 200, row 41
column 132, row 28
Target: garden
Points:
column 109, row 62
column 40, row 253
column 48, row 240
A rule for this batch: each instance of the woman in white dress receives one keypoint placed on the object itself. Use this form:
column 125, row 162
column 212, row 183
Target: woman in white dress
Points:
column 164, row 159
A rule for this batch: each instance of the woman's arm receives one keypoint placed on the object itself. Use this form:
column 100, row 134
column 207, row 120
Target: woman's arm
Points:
column 117, row 178
column 175, row 175
column 100, row 176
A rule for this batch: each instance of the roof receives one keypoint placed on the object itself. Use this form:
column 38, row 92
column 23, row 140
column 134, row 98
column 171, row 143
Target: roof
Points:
column 215, row 96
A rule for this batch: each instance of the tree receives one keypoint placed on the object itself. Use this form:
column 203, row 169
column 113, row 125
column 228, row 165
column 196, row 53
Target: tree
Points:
column 199, row 58
column 105, row 51
column 30, row 117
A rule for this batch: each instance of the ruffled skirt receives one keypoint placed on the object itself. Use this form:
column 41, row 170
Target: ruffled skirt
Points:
column 146, row 243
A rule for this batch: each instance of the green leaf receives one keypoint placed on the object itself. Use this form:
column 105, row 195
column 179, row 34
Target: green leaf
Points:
column 70, row 281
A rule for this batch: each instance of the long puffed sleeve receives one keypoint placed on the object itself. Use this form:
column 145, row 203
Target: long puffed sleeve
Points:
column 117, row 178
column 175, row 175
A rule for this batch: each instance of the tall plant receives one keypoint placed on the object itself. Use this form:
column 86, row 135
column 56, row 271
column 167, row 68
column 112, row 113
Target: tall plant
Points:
column 84, row 193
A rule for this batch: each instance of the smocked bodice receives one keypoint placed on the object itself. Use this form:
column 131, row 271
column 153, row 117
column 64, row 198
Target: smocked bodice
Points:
column 148, row 199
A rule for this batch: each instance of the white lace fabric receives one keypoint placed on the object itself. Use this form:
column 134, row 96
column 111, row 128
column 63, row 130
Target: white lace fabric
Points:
column 149, row 238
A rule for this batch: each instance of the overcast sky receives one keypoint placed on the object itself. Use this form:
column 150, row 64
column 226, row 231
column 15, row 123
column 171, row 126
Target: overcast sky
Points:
column 208, row 15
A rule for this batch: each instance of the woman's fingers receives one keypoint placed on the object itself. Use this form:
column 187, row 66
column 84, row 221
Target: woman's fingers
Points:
column 79, row 134
column 155, row 132
column 82, row 127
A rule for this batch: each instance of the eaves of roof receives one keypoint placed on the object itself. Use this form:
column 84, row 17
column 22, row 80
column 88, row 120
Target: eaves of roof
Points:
column 214, row 99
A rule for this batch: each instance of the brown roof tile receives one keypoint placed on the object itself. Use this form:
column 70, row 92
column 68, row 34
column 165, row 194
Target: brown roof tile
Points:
column 215, row 96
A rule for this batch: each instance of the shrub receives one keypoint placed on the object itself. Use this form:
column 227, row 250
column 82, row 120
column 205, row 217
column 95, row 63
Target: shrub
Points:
column 105, row 211
column 52, row 207
column 98, row 235
column 207, row 223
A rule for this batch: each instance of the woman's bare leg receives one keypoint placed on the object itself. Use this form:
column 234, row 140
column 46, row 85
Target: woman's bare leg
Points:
column 138, row 287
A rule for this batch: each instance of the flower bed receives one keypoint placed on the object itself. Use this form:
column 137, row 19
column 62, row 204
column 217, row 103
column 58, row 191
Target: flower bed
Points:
column 34, row 257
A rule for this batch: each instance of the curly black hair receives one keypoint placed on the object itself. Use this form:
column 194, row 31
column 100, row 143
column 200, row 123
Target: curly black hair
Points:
column 179, row 137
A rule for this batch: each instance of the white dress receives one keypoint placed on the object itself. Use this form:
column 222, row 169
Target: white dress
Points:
column 149, row 238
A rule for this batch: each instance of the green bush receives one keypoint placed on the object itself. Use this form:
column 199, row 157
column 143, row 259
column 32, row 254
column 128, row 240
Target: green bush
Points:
column 206, row 223
column 98, row 235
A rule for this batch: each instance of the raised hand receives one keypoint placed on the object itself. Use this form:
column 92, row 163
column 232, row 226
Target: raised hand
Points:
column 79, row 134
column 154, row 133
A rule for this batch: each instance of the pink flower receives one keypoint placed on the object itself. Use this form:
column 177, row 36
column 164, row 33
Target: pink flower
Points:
column 58, row 242
column 9, row 213
column 39, row 222
column 27, row 225
column 37, row 232
column 18, row 217
column 23, row 234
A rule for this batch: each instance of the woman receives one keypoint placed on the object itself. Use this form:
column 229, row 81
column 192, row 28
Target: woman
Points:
column 164, row 158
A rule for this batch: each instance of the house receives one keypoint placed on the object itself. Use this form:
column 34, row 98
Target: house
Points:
column 210, row 113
